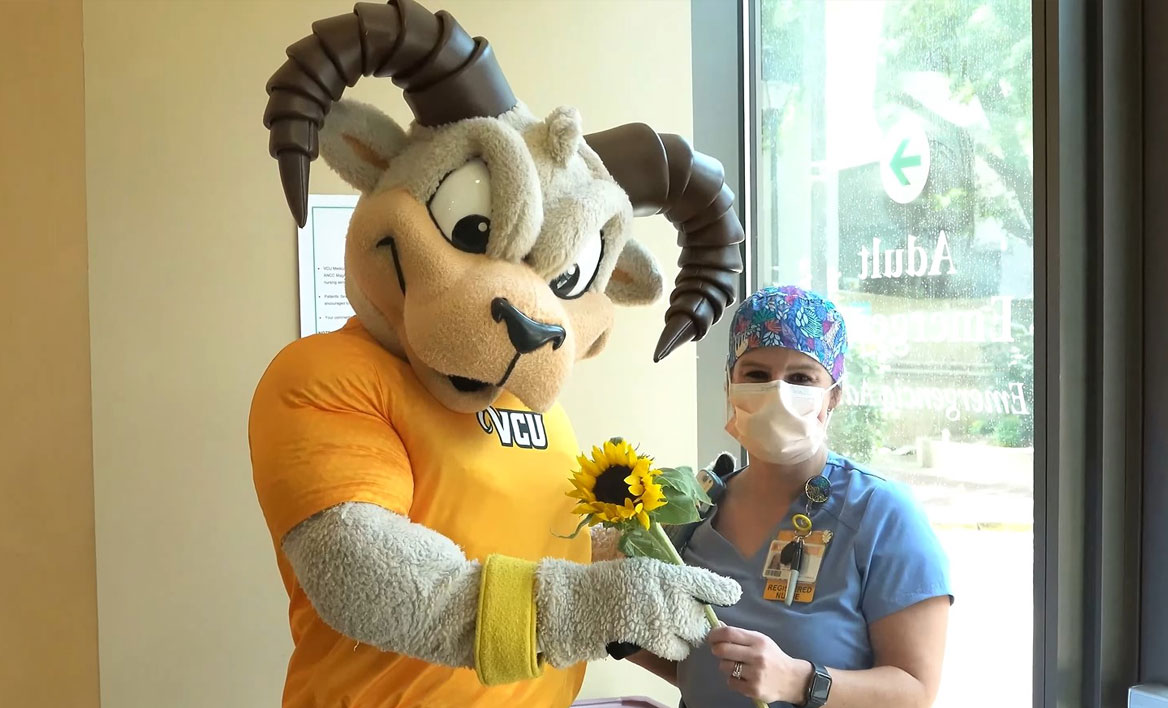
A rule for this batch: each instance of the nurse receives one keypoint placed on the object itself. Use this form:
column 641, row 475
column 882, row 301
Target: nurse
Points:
column 846, row 591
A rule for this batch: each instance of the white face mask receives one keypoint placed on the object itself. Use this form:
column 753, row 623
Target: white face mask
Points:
column 778, row 422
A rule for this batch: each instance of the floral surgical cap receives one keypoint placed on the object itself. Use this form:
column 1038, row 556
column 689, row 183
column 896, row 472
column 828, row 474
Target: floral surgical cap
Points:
column 791, row 318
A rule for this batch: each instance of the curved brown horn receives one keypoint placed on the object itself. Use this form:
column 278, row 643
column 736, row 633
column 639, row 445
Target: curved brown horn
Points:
column 661, row 173
column 446, row 76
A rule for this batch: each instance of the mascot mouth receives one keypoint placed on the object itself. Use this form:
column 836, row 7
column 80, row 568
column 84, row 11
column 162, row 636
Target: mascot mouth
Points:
column 463, row 384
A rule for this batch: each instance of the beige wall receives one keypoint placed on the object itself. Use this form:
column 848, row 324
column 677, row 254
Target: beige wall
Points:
column 193, row 290
column 48, row 618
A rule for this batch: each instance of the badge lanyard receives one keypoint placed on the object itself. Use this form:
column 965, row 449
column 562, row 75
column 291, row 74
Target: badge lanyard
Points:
column 816, row 491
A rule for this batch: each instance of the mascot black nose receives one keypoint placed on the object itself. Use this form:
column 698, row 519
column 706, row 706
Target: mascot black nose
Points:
column 525, row 333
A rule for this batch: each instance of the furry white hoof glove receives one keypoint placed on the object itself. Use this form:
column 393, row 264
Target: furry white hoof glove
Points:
column 583, row 608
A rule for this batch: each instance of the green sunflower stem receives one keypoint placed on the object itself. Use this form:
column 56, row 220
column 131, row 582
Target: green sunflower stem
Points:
column 666, row 545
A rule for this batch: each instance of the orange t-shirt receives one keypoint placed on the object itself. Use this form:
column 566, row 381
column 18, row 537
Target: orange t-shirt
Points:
column 337, row 418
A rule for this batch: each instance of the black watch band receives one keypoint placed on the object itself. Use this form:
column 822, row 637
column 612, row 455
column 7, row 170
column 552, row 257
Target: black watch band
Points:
column 818, row 689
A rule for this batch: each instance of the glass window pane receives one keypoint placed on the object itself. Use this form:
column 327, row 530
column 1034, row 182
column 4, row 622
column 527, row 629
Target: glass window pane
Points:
column 894, row 173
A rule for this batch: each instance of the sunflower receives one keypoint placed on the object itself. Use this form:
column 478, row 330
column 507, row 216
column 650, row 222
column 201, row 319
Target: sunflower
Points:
column 616, row 485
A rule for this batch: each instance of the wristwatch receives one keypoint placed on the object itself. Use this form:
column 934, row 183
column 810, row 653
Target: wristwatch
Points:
column 819, row 687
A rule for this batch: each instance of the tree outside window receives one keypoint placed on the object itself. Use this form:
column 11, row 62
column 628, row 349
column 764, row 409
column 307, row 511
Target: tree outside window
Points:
column 895, row 175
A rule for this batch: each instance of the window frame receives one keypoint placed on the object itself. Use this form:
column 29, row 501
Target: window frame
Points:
column 1088, row 557
column 1153, row 660
column 1097, row 477
column 721, row 77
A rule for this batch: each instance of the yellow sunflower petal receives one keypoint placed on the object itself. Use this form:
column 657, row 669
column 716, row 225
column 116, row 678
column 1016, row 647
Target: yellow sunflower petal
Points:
column 654, row 504
column 599, row 458
column 654, row 496
column 614, row 453
column 647, row 483
column 644, row 519
column 586, row 484
column 591, row 468
column 636, row 487
column 612, row 513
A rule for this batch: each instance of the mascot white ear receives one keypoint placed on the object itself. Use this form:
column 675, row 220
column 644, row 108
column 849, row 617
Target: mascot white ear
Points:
column 358, row 142
column 637, row 279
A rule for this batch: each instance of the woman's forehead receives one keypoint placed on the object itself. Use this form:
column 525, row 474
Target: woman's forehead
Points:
column 781, row 358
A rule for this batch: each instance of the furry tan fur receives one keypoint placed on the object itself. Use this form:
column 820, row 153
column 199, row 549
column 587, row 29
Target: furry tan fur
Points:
column 549, row 194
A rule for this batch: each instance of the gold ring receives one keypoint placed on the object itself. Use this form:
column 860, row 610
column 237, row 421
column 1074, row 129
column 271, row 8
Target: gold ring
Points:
column 737, row 672
column 802, row 523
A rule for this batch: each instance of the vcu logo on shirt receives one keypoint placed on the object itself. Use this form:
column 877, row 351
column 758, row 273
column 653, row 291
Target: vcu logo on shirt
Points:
column 523, row 429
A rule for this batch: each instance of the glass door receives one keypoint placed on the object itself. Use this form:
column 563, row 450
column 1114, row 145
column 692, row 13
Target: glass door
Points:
column 893, row 172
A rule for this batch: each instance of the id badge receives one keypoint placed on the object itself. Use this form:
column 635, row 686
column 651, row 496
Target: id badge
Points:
column 777, row 577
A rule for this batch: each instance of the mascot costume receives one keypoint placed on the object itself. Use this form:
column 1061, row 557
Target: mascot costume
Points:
column 413, row 466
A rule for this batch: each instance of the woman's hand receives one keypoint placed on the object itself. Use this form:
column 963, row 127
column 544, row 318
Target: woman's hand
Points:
column 766, row 672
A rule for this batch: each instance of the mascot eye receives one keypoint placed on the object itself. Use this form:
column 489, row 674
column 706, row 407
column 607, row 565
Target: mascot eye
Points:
column 461, row 207
column 573, row 282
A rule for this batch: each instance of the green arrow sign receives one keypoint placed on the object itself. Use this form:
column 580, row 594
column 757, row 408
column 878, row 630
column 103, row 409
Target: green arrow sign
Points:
column 901, row 161
column 905, row 146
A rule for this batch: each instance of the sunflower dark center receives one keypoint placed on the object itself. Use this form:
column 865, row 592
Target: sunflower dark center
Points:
column 610, row 485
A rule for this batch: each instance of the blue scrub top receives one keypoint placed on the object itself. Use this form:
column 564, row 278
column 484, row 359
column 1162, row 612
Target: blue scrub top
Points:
column 883, row 557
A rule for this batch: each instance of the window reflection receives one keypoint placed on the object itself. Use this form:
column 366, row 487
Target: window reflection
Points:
column 895, row 174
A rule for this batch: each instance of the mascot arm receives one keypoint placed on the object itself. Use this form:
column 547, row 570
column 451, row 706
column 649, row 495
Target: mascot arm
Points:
column 383, row 580
column 375, row 576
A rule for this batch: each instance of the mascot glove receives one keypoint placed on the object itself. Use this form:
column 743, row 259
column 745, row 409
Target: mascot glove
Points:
column 583, row 608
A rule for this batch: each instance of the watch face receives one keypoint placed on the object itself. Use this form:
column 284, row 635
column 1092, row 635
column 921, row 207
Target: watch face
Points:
column 820, row 686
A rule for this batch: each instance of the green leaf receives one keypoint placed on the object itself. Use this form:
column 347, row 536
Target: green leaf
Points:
column 636, row 542
column 679, row 509
column 583, row 523
column 683, row 480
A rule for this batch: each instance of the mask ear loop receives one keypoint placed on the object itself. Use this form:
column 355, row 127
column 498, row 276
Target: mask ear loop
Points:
column 726, row 395
column 831, row 411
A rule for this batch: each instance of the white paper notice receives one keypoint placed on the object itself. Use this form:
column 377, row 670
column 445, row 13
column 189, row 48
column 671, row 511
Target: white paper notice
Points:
column 323, row 305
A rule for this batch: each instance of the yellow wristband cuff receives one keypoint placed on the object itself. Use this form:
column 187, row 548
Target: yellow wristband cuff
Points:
column 505, row 644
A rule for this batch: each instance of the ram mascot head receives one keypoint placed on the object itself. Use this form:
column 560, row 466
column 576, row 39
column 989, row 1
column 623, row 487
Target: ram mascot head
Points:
column 489, row 246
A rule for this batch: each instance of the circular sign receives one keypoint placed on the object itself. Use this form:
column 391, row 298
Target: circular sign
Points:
column 904, row 160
